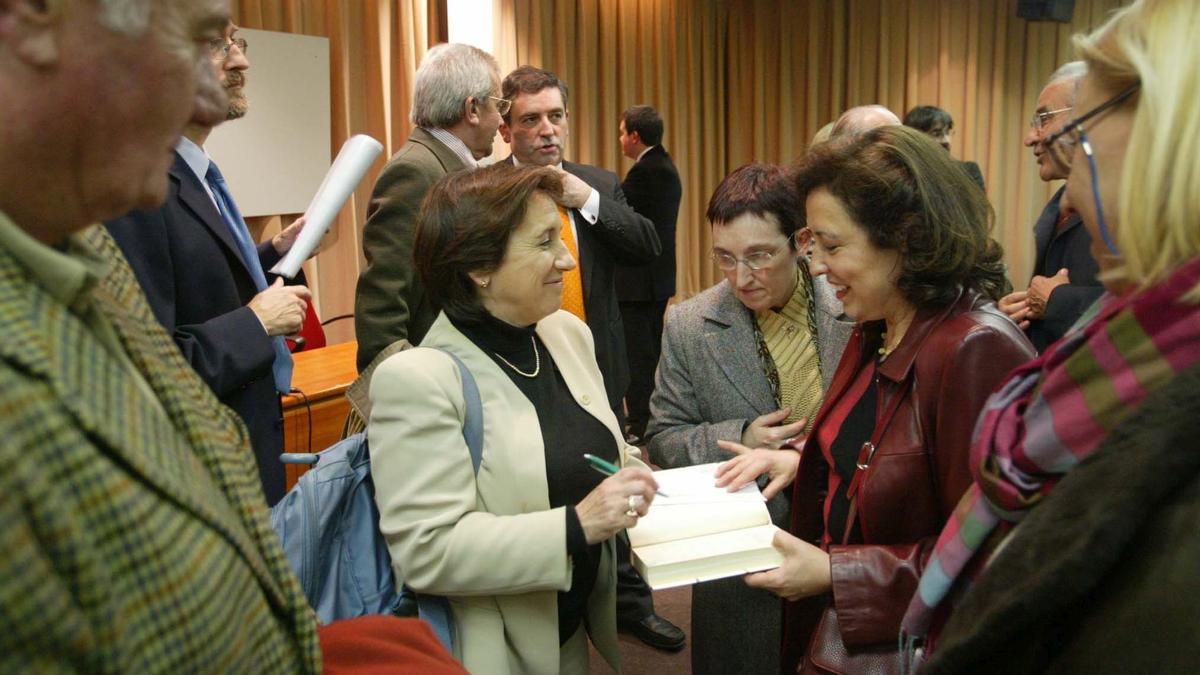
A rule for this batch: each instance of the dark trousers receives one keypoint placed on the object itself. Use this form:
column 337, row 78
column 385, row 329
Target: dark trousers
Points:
column 643, row 344
column 634, row 601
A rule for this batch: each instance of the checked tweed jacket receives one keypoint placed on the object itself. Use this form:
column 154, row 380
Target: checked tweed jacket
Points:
column 134, row 533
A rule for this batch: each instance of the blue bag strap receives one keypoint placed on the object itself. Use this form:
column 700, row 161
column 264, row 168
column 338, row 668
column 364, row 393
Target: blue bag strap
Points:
column 435, row 609
column 473, row 420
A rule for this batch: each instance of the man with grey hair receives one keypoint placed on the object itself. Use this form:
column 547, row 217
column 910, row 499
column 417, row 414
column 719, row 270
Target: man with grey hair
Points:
column 135, row 536
column 456, row 110
column 1064, row 282
column 863, row 118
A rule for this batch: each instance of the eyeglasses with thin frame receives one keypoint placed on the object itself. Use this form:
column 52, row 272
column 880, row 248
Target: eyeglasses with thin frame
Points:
column 756, row 261
column 1073, row 134
column 218, row 48
column 1038, row 121
column 1072, row 131
column 503, row 105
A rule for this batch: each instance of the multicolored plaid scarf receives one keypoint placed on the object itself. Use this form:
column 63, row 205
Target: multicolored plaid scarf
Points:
column 1050, row 415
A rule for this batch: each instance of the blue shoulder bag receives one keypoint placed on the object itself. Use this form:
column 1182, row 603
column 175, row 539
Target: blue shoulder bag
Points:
column 329, row 527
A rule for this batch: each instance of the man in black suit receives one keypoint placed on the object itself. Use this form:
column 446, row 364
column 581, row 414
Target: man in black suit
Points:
column 653, row 189
column 939, row 125
column 1064, row 282
column 203, row 276
column 604, row 232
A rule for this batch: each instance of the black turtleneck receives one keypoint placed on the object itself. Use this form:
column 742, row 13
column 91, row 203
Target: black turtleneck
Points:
column 568, row 431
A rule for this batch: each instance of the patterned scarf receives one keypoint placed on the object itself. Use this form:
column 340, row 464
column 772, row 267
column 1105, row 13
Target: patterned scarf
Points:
column 1050, row 415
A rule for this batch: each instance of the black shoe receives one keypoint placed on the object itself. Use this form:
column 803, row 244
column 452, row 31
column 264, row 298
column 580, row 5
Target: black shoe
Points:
column 656, row 632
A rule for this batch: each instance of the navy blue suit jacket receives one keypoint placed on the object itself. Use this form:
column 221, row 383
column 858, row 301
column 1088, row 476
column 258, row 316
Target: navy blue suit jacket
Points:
column 188, row 264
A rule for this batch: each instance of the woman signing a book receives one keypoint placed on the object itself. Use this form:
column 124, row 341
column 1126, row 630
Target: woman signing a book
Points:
column 523, row 547
column 902, row 235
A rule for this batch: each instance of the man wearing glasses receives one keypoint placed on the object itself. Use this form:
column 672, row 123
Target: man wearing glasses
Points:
column 203, row 274
column 456, row 109
column 1064, row 280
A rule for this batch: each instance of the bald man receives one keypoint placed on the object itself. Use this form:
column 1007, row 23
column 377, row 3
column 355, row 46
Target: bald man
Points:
column 863, row 118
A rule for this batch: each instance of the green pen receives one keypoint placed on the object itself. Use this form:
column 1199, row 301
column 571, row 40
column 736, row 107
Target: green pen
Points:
column 608, row 468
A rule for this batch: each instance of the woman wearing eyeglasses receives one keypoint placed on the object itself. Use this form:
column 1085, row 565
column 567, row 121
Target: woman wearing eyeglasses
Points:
column 745, row 361
column 902, row 234
column 1083, row 515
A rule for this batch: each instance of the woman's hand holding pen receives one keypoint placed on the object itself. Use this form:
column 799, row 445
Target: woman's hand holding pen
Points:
column 616, row 503
column 779, row 465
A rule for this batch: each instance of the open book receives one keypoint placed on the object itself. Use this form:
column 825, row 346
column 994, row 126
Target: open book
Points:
column 702, row 532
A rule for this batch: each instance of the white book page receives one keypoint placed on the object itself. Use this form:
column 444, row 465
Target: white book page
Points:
column 696, row 507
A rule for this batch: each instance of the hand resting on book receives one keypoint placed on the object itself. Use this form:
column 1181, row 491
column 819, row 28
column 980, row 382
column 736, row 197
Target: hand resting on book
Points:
column 779, row 465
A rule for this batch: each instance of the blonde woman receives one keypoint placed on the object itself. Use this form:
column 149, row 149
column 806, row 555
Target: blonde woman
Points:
column 1092, row 447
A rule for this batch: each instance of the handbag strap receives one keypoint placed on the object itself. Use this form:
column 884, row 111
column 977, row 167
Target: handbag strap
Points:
column 435, row 609
column 473, row 419
column 865, row 455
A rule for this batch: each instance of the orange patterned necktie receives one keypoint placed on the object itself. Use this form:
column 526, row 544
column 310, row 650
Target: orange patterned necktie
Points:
column 572, row 297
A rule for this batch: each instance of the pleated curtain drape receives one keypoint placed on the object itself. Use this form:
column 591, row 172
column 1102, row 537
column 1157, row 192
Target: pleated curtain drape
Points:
column 736, row 82
column 753, row 80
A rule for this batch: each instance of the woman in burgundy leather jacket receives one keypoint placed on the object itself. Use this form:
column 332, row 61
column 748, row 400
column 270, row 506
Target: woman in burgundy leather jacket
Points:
column 901, row 233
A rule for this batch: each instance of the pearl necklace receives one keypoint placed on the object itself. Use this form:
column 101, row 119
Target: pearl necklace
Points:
column 537, row 361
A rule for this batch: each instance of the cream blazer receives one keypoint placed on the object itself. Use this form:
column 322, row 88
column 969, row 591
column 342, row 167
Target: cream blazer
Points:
column 490, row 542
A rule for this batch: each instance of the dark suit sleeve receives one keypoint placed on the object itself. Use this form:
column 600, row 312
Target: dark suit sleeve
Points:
column 229, row 350
column 629, row 237
column 1064, row 307
column 389, row 289
column 638, row 188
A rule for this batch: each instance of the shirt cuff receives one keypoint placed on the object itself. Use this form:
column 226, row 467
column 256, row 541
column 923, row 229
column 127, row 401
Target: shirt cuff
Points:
column 577, row 545
column 591, row 208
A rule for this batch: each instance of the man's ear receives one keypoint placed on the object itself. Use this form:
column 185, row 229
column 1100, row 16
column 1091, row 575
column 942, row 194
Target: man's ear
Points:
column 505, row 132
column 29, row 29
column 635, row 137
column 471, row 110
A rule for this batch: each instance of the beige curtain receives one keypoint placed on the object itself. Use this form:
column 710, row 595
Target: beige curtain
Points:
column 736, row 81
column 375, row 46
column 753, row 80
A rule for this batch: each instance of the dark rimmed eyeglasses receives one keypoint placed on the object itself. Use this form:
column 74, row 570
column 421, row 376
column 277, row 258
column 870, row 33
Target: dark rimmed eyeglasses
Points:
column 218, row 48
column 1073, row 134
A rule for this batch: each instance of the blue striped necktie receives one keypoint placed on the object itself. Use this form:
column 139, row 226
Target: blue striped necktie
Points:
column 282, row 367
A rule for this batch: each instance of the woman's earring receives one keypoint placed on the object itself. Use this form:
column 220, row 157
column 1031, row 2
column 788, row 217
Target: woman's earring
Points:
column 484, row 283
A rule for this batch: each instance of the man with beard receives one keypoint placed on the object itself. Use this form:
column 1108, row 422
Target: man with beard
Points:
column 203, row 275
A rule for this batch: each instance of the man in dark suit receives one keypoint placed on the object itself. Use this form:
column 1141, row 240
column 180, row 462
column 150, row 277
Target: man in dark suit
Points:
column 939, row 125
column 653, row 189
column 456, row 110
column 1064, row 282
column 601, row 231
column 204, row 277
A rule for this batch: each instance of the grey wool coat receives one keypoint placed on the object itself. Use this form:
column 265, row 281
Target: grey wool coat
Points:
column 708, row 387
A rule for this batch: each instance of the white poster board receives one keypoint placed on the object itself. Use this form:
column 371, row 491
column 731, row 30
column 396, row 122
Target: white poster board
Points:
column 275, row 157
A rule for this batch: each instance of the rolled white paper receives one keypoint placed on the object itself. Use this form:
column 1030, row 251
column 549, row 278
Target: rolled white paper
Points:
column 347, row 172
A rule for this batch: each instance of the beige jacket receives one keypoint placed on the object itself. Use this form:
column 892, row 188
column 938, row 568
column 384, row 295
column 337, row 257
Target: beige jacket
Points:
column 490, row 541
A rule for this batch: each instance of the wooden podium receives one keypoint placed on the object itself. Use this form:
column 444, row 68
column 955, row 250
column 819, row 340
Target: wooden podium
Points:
column 313, row 418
